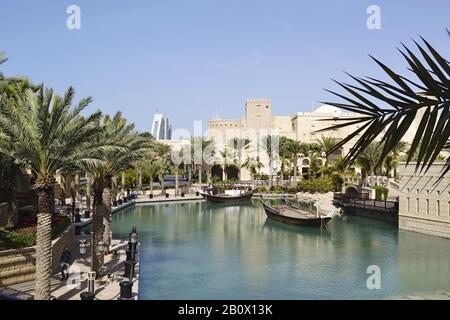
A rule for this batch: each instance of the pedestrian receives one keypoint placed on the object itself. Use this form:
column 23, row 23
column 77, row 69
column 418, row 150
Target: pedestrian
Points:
column 64, row 263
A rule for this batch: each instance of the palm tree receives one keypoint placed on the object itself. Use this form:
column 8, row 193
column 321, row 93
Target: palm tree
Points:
column 327, row 146
column 199, row 148
column 130, row 148
column 225, row 155
column 237, row 146
column 49, row 135
column 369, row 161
column 163, row 163
column 296, row 148
column 254, row 165
column 270, row 144
column 150, row 168
column 389, row 109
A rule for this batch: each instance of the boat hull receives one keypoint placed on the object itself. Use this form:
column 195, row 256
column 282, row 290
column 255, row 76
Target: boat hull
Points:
column 228, row 199
column 308, row 222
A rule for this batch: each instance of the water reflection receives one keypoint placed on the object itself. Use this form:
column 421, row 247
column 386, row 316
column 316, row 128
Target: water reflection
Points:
column 213, row 251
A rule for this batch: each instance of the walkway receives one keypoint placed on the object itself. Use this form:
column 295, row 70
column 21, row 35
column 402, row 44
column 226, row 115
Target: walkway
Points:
column 106, row 287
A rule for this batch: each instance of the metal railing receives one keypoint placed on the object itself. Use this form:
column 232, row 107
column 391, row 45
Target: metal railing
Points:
column 365, row 202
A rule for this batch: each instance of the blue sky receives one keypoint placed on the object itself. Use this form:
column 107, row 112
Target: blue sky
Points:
column 191, row 58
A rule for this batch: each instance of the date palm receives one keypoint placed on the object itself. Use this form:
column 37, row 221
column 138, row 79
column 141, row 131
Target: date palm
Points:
column 129, row 147
column 271, row 145
column 388, row 109
column 327, row 146
column 237, row 147
column 48, row 135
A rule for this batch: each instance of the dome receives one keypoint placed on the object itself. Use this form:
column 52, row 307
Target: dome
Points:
column 327, row 109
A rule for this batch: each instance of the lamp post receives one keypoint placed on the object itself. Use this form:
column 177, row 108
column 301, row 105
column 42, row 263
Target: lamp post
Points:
column 126, row 286
column 90, row 294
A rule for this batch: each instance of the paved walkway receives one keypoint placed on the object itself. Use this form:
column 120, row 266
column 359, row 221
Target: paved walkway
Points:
column 107, row 287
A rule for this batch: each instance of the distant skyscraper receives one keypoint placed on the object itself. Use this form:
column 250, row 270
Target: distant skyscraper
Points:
column 161, row 129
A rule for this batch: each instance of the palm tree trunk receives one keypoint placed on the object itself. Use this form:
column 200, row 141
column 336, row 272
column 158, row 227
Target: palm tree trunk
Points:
column 177, row 186
column 97, row 222
column 161, row 181
column 190, row 173
column 295, row 170
column 200, row 171
column 140, row 179
column 123, row 182
column 43, row 244
column 270, row 173
column 88, row 191
column 107, row 195
column 11, row 185
column 151, row 184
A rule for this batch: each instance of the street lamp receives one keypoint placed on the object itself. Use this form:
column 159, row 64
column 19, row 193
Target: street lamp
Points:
column 83, row 247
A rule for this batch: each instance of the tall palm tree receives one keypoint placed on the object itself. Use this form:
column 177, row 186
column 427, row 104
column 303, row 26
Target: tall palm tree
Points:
column 163, row 163
column 254, row 165
column 199, row 148
column 237, row 146
column 388, row 109
column 369, row 161
column 150, row 168
column 327, row 146
column 296, row 148
column 130, row 148
column 270, row 144
column 49, row 135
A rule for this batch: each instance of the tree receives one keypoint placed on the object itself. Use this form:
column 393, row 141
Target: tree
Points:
column 327, row 146
column 388, row 109
column 271, row 143
column 296, row 148
column 150, row 168
column 369, row 161
column 254, row 165
column 129, row 147
column 237, row 147
column 49, row 135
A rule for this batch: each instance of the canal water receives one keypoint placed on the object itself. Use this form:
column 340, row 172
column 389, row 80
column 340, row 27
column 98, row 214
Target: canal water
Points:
column 199, row 250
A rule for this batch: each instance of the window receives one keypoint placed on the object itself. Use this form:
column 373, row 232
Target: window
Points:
column 417, row 205
column 428, row 206
column 407, row 202
column 438, row 208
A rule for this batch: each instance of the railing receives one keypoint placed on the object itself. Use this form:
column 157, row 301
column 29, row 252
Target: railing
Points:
column 365, row 202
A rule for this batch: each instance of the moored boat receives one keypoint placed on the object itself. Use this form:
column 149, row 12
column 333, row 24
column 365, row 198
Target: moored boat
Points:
column 229, row 196
column 294, row 215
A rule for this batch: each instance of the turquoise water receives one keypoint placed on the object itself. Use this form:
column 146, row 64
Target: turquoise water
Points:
column 211, row 251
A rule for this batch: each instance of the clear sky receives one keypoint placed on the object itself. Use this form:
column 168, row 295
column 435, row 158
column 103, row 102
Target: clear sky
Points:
column 189, row 58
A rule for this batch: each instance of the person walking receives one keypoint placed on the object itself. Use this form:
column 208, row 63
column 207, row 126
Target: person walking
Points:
column 64, row 263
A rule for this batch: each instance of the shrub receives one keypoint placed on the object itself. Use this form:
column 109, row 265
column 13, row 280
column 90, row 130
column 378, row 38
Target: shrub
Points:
column 14, row 240
column 277, row 190
column 323, row 185
column 381, row 193
column 261, row 189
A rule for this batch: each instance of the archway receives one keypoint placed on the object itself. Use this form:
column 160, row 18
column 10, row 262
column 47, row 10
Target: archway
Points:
column 232, row 172
column 217, row 172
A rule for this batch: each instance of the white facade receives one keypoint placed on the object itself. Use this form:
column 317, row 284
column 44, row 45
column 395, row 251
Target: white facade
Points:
column 161, row 129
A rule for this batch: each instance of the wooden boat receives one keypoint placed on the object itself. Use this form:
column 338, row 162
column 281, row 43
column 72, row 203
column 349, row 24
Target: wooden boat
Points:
column 294, row 215
column 228, row 198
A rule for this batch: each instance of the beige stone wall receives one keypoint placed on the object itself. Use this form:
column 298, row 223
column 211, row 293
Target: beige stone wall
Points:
column 17, row 266
column 424, row 202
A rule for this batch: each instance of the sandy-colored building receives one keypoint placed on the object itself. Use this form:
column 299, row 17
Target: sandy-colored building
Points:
column 259, row 121
column 424, row 200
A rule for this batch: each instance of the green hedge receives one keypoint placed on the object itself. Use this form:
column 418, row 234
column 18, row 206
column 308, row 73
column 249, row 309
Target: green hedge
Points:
column 14, row 240
column 381, row 193
column 322, row 185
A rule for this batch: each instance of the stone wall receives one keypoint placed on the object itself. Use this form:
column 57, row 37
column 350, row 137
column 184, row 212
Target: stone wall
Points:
column 3, row 214
column 17, row 266
column 424, row 201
